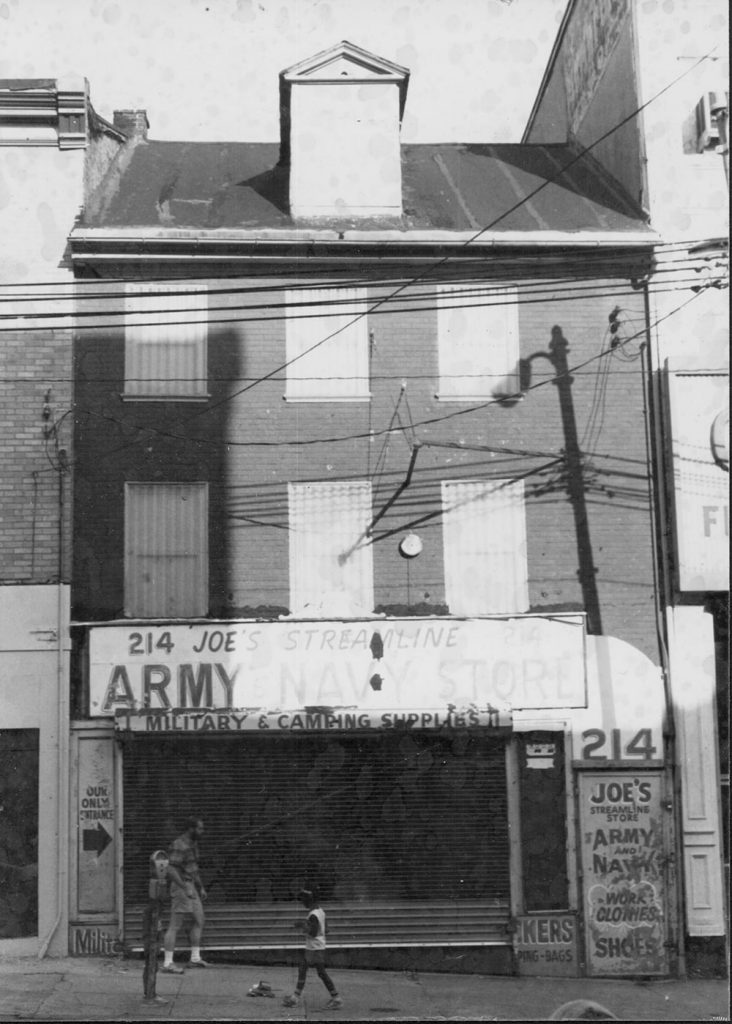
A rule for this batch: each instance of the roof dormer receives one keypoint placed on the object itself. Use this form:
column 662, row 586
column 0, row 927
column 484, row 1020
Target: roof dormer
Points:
column 341, row 112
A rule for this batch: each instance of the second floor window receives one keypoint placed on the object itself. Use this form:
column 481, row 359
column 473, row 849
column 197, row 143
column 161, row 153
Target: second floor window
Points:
column 478, row 342
column 331, row 560
column 165, row 341
column 332, row 370
column 166, row 550
column 484, row 541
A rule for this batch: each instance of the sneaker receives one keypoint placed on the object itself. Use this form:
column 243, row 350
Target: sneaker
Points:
column 261, row 989
column 171, row 969
column 200, row 963
column 334, row 1004
column 291, row 1000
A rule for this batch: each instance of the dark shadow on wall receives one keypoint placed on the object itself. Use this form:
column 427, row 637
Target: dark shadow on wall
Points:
column 556, row 354
column 119, row 441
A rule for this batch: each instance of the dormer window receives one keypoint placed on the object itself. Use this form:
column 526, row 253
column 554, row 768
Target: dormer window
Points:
column 342, row 112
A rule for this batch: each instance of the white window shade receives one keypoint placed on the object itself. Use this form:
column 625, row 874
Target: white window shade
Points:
column 478, row 342
column 331, row 561
column 165, row 341
column 484, row 539
column 166, row 550
column 327, row 345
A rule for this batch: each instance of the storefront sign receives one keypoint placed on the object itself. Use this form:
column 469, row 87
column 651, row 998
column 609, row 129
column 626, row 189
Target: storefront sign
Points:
column 699, row 404
column 623, row 853
column 546, row 944
column 525, row 662
column 94, row 940
column 309, row 720
column 95, row 826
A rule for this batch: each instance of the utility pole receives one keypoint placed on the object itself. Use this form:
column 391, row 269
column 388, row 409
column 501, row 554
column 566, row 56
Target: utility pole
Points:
column 557, row 356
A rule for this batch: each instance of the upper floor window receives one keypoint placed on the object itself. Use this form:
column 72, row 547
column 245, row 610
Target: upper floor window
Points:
column 484, row 541
column 166, row 550
column 327, row 345
column 165, row 341
column 478, row 342
column 331, row 560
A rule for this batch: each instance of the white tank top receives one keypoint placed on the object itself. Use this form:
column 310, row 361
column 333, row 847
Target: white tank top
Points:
column 316, row 941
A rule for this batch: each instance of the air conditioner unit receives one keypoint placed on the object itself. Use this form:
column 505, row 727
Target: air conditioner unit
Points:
column 707, row 132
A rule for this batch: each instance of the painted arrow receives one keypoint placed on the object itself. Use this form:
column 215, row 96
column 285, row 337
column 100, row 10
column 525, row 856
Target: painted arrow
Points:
column 96, row 840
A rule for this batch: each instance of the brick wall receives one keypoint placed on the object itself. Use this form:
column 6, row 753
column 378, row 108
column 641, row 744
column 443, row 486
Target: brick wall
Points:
column 29, row 478
column 120, row 441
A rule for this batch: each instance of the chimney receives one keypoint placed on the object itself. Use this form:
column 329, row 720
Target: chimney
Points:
column 341, row 113
column 133, row 123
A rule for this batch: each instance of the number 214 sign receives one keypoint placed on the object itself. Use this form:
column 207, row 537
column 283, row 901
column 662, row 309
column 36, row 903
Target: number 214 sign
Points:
column 619, row 745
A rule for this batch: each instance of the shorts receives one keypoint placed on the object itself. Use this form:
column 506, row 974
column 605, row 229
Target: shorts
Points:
column 184, row 902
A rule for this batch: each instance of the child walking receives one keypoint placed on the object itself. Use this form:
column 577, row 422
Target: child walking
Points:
column 314, row 953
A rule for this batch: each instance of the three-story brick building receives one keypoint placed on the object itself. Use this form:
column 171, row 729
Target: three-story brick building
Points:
column 363, row 562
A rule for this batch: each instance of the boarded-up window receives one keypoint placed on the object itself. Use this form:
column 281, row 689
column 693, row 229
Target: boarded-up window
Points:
column 327, row 344
column 166, row 550
column 478, row 342
column 484, row 534
column 331, row 564
column 165, row 341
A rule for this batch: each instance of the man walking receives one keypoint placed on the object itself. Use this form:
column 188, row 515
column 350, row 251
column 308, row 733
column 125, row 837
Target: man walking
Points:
column 186, row 893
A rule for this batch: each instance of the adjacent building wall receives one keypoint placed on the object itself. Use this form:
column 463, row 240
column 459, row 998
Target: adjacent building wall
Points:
column 43, row 138
column 661, row 59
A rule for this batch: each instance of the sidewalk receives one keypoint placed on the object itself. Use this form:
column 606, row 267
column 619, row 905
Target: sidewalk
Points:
column 111, row 989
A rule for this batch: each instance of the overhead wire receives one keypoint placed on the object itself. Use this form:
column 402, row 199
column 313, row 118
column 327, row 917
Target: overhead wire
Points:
column 441, row 262
column 469, row 287
column 368, row 434
column 211, row 406
column 72, row 290
column 549, row 297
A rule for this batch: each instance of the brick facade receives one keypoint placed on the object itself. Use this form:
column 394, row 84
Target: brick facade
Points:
column 33, row 483
column 120, row 441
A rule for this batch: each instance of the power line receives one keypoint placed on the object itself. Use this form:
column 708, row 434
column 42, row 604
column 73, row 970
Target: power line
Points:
column 72, row 289
column 469, row 286
column 370, row 434
column 547, row 295
column 446, row 259
column 441, row 262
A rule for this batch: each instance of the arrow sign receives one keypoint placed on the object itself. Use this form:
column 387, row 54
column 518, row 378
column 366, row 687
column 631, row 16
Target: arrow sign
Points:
column 96, row 839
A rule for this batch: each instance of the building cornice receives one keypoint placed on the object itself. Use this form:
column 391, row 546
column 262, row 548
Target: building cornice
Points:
column 145, row 244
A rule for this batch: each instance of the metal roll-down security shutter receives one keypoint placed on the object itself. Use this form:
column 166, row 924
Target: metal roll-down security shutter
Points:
column 406, row 835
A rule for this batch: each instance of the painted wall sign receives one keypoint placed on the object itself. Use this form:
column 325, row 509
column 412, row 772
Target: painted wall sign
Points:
column 308, row 720
column 623, row 853
column 591, row 39
column 94, row 940
column 96, row 826
column 546, row 944
column 698, row 402
column 525, row 662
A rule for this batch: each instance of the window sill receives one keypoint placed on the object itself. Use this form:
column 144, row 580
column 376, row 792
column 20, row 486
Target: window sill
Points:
column 465, row 398
column 327, row 398
column 128, row 396
column 500, row 399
